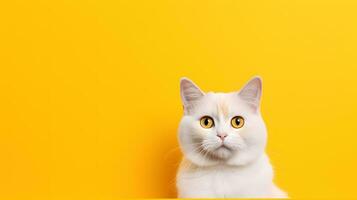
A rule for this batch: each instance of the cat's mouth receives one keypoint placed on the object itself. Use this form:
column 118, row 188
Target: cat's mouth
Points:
column 222, row 152
column 223, row 146
column 219, row 153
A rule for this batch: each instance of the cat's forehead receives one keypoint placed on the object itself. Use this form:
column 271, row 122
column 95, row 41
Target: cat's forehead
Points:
column 220, row 103
column 220, row 97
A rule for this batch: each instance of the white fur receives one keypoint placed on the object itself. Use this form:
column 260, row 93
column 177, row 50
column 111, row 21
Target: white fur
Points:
column 233, row 168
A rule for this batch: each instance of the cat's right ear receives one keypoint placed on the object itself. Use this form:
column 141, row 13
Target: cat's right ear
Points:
column 190, row 93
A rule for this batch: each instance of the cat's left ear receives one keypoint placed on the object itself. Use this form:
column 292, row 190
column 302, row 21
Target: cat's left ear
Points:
column 252, row 92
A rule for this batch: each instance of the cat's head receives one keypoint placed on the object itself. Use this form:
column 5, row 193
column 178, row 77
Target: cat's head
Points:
column 222, row 127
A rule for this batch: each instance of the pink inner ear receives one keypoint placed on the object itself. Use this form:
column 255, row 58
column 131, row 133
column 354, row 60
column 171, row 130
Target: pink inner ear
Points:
column 190, row 92
column 251, row 93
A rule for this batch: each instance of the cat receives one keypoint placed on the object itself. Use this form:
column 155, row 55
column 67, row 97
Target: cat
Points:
column 223, row 138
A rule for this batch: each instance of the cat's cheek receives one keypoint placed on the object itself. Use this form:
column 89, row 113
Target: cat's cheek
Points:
column 236, row 143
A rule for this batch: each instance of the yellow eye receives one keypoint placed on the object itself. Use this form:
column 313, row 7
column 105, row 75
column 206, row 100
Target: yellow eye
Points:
column 237, row 122
column 206, row 122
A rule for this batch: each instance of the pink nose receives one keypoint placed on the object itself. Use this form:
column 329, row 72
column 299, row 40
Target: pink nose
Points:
column 222, row 135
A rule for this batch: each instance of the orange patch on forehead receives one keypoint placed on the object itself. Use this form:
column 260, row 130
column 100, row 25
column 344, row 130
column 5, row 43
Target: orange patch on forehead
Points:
column 222, row 108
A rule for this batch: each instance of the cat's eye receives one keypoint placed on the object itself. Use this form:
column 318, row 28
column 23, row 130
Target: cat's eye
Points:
column 237, row 122
column 207, row 122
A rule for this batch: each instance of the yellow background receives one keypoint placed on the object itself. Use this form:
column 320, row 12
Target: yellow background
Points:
column 89, row 94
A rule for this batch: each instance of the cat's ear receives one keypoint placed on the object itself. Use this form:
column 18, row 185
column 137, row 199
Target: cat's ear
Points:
column 252, row 92
column 190, row 93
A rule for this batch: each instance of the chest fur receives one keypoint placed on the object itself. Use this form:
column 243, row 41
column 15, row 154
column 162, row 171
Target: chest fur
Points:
column 225, row 182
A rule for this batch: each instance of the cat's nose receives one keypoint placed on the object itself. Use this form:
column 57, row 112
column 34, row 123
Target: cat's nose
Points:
column 222, row 135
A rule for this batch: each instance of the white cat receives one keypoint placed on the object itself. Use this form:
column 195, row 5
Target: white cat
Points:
column 223, row 139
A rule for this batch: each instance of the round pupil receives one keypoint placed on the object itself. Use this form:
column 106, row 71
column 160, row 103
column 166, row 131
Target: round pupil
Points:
column 237, row 120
